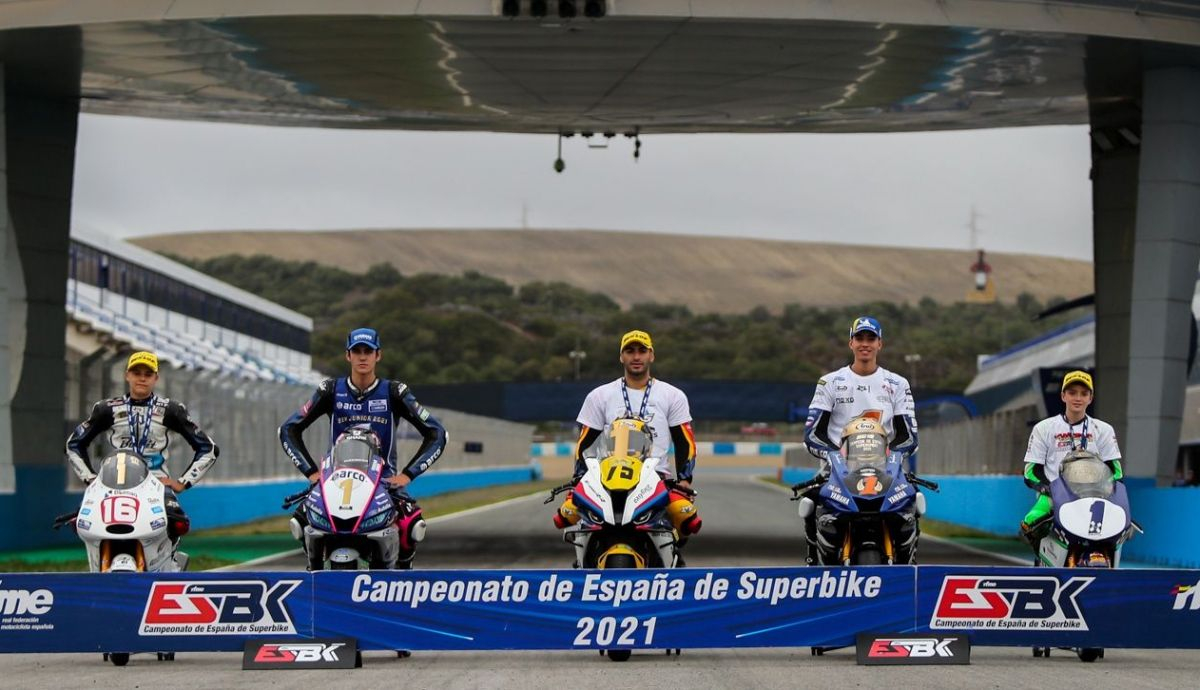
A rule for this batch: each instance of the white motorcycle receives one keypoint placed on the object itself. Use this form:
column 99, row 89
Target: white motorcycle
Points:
column 123, row 524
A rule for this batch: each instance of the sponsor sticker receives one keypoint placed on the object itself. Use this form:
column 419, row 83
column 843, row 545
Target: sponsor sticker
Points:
column 218, row 607
column 875, row 649
column 1019, row 602
column 377, row 406
column 341, row 652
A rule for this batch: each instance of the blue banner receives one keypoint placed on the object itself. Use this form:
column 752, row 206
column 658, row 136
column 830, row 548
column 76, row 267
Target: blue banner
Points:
column 591, row 609
column 626, row 609
column 1062, row 607
column 129, row 612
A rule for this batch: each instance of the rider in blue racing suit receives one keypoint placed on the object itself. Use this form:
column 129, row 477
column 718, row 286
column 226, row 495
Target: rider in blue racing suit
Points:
column 364, row 400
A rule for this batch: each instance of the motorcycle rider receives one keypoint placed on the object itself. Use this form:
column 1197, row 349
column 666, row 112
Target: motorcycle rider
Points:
column 364, row 399
column 861, row 388
column 1055, row 438
column 662, row 407
column 139, row 421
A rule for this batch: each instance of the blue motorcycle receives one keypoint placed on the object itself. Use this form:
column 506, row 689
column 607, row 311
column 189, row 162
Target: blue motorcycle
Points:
column 868, row 508
column 349, row 513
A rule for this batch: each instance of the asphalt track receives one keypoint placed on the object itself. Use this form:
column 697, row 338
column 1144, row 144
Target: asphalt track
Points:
column 747, row 522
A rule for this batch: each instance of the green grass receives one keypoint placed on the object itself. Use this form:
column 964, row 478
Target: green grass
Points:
column 214, row 548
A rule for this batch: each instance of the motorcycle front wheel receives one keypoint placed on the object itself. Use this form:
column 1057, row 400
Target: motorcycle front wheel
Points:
column 348, row 565
column 619, row 561
column 868, row 557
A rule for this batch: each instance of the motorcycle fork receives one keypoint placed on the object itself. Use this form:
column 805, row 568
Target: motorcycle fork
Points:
column 846, row 545
column 889, row 549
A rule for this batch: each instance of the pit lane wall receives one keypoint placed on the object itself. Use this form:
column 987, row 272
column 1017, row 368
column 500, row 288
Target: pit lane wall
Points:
column 996, row 504
column 588, row 609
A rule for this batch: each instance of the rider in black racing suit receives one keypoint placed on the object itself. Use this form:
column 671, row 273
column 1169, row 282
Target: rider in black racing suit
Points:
column 139, row 421
column 361, row 399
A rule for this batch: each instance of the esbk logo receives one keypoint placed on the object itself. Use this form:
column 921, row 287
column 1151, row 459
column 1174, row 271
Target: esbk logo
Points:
column 297, row 653
column 917, row 647
column 1016, row 603
column 218, row 607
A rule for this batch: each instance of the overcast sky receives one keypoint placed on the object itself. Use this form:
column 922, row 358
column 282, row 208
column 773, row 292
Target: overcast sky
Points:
column 1030, row 186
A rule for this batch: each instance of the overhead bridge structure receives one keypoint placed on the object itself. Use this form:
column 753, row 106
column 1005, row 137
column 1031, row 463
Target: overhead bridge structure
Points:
column 1130, row 70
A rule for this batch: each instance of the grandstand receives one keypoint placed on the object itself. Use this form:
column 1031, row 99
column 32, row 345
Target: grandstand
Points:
column 144, row 301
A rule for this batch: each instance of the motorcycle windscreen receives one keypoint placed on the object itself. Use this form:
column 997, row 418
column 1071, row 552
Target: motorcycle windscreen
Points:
column 866, row 464
column 1087, row 477
column 123, row 470
column 353, row 453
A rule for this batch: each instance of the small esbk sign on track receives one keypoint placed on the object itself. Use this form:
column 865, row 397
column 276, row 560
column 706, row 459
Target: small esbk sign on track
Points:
column 910, row 649
column 291, row 653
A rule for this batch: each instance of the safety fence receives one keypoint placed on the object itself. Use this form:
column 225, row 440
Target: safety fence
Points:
column 703, row 448
column 472, row 610
column 243, row 418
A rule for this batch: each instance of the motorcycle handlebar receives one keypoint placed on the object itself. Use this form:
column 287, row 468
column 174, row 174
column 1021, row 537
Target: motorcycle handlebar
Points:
column 558, row 490
column 64, row 519
column 797, row 489
column 932, row 486
column 296, row 498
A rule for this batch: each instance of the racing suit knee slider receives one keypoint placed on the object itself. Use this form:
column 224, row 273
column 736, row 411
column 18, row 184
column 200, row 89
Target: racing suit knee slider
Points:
column 682, row 512
column 567, row 514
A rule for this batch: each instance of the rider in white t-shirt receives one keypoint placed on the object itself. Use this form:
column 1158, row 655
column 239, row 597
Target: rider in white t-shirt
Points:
column 860, row 388
column 1054, row 438
column 663, row 407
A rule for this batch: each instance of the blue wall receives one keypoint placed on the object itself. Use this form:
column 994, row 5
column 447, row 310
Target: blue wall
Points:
column 996, row 504
column 40, row 496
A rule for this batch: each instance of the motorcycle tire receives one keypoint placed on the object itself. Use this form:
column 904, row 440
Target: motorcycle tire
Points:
column 868, row 557
column 349, row 565
column 620, row 561
column 619, row 654
column 118, row 658
column 1090, row 654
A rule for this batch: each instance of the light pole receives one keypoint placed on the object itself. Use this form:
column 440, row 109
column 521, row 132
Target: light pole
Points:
column 577, row 356
column 912, row 360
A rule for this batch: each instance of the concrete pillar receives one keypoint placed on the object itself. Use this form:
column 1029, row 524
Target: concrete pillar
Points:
column 39, row 111
column 1165, row 259
column 1114, row 208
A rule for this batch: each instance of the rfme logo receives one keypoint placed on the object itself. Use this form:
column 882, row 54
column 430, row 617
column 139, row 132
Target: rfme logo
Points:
column 1186, row 597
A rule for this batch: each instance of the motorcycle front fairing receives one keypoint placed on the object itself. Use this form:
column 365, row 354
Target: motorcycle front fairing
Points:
column 133, row 514
column 1086, row 521
column 639, row 509
column 350, row 507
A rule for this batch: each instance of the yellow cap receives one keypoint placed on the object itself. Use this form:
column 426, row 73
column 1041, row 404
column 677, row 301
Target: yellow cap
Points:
column 1078, row 377
column 637, row 337
column 145, row 359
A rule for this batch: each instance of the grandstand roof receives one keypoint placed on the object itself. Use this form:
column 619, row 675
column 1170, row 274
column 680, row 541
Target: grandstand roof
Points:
column 188, row 276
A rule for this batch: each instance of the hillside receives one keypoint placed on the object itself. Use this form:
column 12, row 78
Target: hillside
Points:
column 708, row 274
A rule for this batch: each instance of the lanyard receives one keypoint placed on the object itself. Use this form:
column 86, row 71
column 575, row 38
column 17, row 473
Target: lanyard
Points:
column 645, row 399
column 1071, row 433
column 140, row 437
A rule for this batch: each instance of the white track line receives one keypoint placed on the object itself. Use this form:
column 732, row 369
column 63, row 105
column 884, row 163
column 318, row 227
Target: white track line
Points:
column 441, row 518
column 940, row 540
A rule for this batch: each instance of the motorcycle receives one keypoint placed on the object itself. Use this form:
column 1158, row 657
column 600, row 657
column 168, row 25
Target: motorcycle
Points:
column 126, row 526
column 618, row 508
column 1091, row 521
column 350, row 514
column 869, row 508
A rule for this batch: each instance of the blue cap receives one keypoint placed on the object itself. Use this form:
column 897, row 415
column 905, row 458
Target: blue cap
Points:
column 363, row 336
column 866, row 323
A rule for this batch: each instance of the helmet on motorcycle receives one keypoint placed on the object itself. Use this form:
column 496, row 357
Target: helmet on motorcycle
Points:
column 356, row 445
column 630, row 437
column 864, row 438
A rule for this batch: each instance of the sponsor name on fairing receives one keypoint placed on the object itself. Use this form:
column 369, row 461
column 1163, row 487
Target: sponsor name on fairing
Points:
column 1017, row 602
column 615, row 591
column 218, row 607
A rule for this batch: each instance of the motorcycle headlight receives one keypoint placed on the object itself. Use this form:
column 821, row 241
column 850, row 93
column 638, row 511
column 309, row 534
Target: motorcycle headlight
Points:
column 376, row 521
column 318, row 520
column 643, row 518
column 594, row 516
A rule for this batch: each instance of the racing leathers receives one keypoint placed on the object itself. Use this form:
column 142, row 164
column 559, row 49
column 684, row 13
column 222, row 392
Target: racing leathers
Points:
column 142, row 426
column 379, row 406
